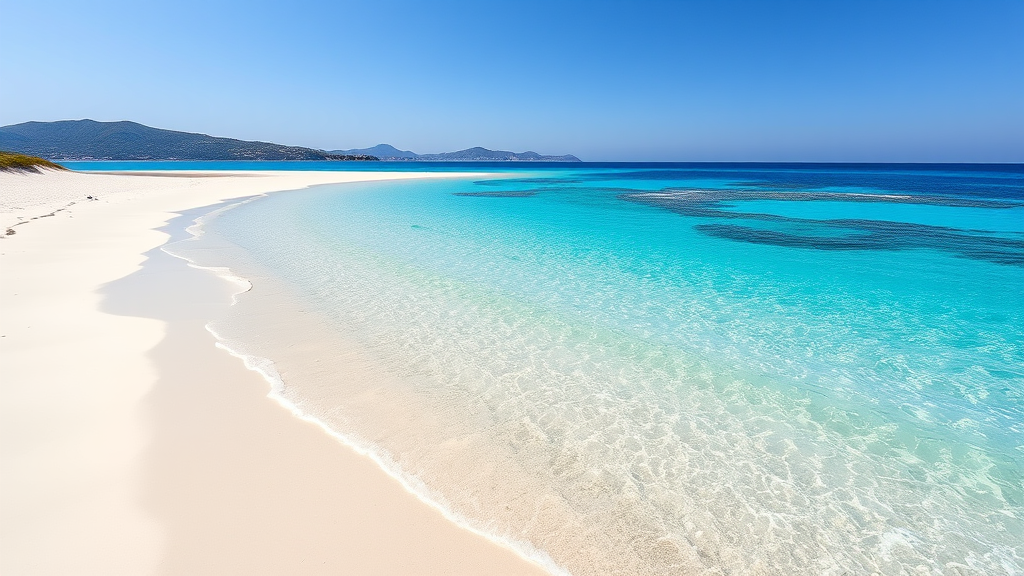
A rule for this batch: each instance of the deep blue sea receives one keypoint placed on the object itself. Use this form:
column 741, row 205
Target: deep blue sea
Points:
column 665, row 368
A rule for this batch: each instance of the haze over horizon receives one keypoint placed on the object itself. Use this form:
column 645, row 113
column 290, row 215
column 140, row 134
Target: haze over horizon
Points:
column 693, row 81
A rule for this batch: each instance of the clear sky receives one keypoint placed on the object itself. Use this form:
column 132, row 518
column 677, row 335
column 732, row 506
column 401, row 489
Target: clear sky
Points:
column 662, row 81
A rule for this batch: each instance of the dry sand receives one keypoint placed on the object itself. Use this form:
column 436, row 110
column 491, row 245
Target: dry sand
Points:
column 129, row 444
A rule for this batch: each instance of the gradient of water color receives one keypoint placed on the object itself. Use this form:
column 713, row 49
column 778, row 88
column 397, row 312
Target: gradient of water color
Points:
column 671, row 369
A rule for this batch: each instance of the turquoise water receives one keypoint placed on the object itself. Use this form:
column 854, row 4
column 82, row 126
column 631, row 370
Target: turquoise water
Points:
column 672, row 369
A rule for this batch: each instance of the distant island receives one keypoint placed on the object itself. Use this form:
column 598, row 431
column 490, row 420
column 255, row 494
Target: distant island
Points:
column 92, row 140
column 392, row 154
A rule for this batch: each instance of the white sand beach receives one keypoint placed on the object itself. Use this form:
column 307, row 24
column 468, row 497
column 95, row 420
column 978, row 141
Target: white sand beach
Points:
column 130, row 444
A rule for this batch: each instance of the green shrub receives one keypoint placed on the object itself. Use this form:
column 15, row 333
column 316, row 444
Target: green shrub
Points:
column 9, row 161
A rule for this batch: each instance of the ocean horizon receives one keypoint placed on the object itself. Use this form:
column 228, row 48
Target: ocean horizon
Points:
column 662, row 367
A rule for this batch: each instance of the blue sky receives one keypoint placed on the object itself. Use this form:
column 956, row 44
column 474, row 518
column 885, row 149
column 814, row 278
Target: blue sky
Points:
column 660, row 81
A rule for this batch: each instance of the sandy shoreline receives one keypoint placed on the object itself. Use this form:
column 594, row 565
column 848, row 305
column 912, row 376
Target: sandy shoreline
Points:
column 130, row 445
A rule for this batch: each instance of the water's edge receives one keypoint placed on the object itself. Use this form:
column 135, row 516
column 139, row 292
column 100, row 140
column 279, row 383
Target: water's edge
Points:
column 577, row 367
column 265, row 367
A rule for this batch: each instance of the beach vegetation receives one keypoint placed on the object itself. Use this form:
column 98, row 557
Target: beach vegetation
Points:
column 12, row 161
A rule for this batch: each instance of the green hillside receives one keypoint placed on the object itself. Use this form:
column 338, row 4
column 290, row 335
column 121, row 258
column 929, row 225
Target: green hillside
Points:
column 91, row 140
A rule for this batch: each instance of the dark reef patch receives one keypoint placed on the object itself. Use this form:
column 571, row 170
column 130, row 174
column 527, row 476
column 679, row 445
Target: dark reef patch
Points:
column 980, row 180
column 711, row 198
column 838, row 234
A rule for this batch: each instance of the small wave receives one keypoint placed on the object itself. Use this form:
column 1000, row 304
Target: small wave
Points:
column 266, row 368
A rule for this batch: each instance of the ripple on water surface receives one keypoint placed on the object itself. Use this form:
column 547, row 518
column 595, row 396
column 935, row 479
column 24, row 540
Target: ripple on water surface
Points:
column 591, row 364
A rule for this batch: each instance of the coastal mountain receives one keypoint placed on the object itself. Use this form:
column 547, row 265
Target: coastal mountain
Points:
column 389, row 152
column 483, row 154
column 91, row 140
column 382, row 151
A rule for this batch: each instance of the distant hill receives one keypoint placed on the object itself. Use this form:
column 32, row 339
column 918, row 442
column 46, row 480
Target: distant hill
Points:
column 389, row 152
column 382, row 151
column 483, row 154
column 91, row 140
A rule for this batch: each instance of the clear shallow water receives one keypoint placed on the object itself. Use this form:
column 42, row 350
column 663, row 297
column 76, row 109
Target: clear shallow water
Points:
column 656, row 370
